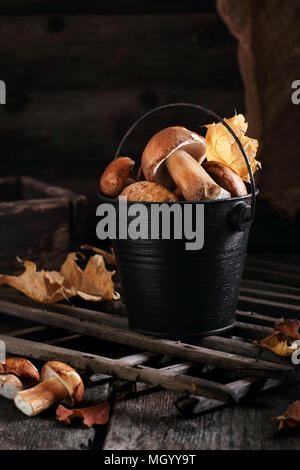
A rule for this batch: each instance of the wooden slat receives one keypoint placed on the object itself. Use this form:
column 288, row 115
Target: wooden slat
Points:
column 186, row 352
column 194, row 405
column 277, row 309
column 270, row 275
column 270, row 295
column 84, row 361
column 271, row 264
column 269, row 286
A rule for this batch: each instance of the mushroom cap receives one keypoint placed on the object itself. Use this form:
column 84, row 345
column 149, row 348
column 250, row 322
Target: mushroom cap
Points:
column 115, row 176
column 10, row 384
column 146, row 191
column 21, row 368
column 68, row 377
column 225, row 177
column 162, row 145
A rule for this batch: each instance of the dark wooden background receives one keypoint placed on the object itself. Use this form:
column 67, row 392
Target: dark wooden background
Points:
column 79, row 73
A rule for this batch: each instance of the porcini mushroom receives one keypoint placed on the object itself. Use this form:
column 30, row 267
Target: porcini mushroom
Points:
column 15, row 374
column 146, row 191
column 225, row 177
column 60, row 382
column 173, row 156
column 115, row 176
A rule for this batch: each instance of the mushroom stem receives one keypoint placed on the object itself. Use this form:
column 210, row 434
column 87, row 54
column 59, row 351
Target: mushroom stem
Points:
column 10, row 384
column 191, row 178
column 39, row 398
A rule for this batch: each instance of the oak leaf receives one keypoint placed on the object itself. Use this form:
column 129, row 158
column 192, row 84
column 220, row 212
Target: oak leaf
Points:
column 288, row 327
column 290, row 418
column 92, row 283
column 98, row 414
column 278, row 343
column 221, row 145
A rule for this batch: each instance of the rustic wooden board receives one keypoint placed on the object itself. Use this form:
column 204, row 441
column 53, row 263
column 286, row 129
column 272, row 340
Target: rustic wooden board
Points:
column 77, row 132
column 110, row 50
column 37, row 222
column 151, row 422
column 94, row 6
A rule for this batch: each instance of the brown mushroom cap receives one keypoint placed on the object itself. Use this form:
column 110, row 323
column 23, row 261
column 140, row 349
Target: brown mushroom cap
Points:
column 68, row 377
column 22, row 368
column 164, row 143
column 225, row 177
column 146, row 191
column 115, row 176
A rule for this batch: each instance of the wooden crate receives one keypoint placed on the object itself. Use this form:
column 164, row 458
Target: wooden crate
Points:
column 38, row 222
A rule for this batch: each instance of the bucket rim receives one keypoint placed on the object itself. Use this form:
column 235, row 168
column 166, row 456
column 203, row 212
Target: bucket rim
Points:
column 210, row 201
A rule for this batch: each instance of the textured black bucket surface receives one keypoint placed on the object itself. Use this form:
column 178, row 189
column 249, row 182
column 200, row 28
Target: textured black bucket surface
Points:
column 173, row 292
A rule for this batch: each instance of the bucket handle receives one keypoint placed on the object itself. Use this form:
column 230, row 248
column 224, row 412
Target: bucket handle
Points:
column 245, row 217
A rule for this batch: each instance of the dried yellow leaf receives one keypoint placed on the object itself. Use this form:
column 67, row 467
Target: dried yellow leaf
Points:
column 93, row 283
column 278, row 343
column 42, row 286
column 221, row 145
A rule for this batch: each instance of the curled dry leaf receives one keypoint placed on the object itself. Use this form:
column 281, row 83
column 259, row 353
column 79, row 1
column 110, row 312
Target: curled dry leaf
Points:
column 98, row 414
column 93, row 283
column 108, row 257
column 288, row 327
column 42, row 286
column 221, row 145
column 290, row 418
column 278, row 343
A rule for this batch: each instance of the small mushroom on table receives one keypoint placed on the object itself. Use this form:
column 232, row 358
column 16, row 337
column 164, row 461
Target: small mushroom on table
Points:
column 15, row 374
column 173, row 157
column 60, row 382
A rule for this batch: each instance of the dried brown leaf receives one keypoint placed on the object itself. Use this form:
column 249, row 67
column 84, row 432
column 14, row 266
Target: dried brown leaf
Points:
column 98, row 414
column 92, row 283
column 42, row 286
column 288, row 327
column 290, row 418
column 108, row 257
column 221, row 145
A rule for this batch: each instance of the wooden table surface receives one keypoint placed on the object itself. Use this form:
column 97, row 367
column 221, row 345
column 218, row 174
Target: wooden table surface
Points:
column 151, row 421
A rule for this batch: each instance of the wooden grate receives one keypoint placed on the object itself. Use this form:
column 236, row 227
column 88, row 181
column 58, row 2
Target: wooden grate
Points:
column 216, row 371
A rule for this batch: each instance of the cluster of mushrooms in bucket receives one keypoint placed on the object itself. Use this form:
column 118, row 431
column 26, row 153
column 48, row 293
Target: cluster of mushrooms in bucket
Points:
column 180, row 165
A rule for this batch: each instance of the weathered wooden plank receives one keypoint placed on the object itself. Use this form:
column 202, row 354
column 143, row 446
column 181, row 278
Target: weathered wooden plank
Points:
column 46, row 222
column 116, row 367
column 151, row 422
column 25, row 7
column 186, row 352
column 49, row 123
column 111, row 50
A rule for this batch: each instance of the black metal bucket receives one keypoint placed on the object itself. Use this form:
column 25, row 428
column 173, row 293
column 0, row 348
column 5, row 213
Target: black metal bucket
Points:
column 177, row 293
